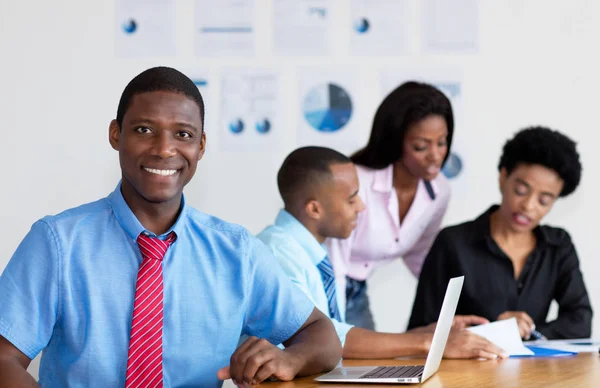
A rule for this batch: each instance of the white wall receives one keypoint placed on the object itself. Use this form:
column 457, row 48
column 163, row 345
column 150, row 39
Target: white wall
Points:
column 60, row 83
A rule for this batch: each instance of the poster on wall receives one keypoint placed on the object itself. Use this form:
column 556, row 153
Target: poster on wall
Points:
column 224, row 28
column 450, row 26
column 328, row 108
column 302, row 27
column 450, row 82
column 145, row 28
column 380, row 27
column 203, row 80
column 250, row 102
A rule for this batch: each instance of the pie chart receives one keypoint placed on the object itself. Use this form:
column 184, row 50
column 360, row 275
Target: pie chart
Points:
column 361, row 25
column 130, row 26
column 236, row 126
column 327, row 108
column 263, row 126
column 453, row 166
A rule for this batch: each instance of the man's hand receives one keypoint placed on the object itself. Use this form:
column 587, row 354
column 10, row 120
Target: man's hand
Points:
column 524, row 322
column 256, row 360
column 465, row 344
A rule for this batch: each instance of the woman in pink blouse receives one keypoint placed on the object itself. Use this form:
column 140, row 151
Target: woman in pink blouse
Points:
column 401, row 185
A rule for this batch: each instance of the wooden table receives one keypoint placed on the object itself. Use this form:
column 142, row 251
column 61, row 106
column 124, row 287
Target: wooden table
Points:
column 582, row 370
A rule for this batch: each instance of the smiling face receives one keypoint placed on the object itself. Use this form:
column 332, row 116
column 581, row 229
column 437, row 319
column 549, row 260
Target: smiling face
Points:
column 425, row 147
column 528, row 194
column 160, row 142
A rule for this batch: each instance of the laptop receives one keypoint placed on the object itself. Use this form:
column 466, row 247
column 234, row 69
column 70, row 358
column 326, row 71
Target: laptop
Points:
column 411, row 374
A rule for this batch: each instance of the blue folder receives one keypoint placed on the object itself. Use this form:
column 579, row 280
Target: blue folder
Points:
column 546, row 352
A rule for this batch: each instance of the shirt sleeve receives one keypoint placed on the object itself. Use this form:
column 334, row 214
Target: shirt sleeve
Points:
column 415, row 256
column 433, row 282
column 288, row 260
column 29, row 291
column 575, row 312
column 276, row 308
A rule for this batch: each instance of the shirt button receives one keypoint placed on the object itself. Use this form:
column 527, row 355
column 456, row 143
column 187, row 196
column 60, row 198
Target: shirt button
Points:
column 520, row 285
column 397, row 239
column 366, row 265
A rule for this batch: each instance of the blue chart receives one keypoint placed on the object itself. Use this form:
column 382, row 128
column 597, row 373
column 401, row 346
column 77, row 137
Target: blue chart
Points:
column 129, row 26
column 453, row 166
column 361, row 25
column 327, row 108
column 236, row 126
column 263, row 126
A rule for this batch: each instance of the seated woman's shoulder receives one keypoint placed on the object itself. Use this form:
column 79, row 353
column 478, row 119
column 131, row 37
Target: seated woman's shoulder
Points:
column 556, row 235
column 459, row 232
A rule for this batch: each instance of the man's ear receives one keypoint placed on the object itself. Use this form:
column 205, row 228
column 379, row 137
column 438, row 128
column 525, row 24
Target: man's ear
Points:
column 202, row 146
column 313, row 209
column 114, row 132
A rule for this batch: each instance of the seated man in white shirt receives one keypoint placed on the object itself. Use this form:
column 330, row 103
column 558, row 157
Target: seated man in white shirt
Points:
column 319, row 187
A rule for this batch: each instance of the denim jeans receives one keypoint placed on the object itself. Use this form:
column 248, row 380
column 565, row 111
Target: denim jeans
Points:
column 358, row 312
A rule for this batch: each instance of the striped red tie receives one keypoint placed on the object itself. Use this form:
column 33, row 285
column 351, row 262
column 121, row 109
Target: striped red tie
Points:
column 144, row 362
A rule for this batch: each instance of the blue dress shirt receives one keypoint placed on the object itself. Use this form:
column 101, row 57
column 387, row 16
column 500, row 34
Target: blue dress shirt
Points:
column 69, row 290
column 299, row 253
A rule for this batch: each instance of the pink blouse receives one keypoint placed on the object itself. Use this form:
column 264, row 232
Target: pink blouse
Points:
column 379, row 237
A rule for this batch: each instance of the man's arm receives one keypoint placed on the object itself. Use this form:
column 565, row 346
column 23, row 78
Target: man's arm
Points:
column 362, row 343
column 316, row 344
column 28, row 304
column 13, row 367
column 312, row 349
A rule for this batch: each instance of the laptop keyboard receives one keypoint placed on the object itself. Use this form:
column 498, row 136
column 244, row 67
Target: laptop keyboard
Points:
column 394, row 371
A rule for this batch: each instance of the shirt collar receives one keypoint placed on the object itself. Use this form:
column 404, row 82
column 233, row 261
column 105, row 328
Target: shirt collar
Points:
column 307, row 241
column 129, row 221
column 482, row 224
column 383, row 182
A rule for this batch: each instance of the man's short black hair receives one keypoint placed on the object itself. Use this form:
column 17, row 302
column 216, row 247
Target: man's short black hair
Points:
column 546, row 147
column 164, row 79
column 304, row 168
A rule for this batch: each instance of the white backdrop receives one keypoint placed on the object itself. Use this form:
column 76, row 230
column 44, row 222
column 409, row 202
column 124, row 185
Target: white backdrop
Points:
column 60, row 85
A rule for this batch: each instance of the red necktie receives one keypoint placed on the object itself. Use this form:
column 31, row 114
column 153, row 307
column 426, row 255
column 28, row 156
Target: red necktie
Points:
column 144, row 362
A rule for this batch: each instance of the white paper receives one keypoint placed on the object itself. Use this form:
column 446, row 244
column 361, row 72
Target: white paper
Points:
column 504, row 334
column 379, row 27
column 450, row 82
column 328, row 109
column 450, row 25
column 145, row 28
column 224, row 27
column 250, row 102
column 301, row 27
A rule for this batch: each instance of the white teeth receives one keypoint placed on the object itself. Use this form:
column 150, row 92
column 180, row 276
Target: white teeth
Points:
column 522, row 218
column 160, row 172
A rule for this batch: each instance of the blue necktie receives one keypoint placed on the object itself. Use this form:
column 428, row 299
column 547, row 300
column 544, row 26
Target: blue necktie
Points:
column 329, row 282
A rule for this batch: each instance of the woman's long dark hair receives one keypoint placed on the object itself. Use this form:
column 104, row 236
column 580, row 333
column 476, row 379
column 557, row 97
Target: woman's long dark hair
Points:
column 407, row 104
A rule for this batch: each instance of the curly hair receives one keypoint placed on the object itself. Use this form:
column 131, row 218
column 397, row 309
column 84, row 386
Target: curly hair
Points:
column 546, row 147
column 406, row 105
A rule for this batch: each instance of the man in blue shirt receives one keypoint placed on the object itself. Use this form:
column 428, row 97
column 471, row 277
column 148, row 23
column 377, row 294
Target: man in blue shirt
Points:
column 319, row 187
column 78, row 278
